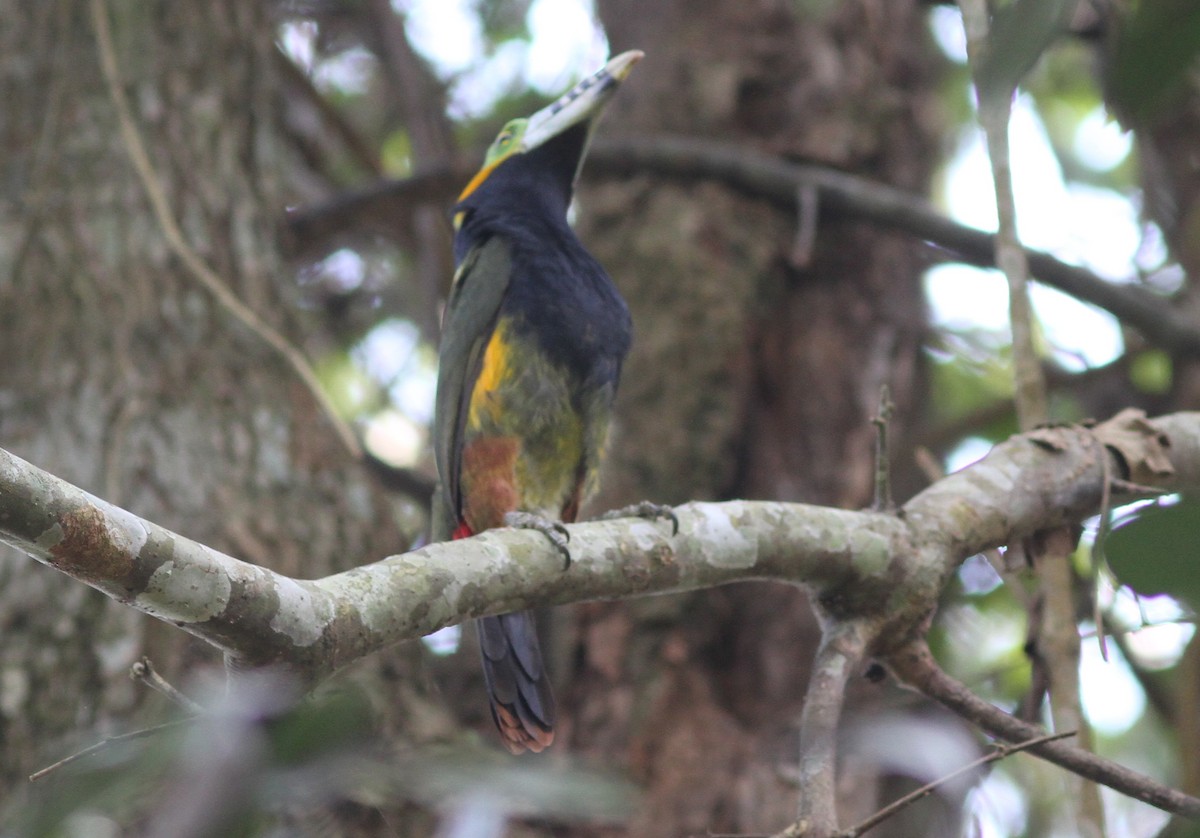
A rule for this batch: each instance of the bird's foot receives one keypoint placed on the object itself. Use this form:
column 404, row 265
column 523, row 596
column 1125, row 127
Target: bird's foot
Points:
column 553, row 530
column 645, row 509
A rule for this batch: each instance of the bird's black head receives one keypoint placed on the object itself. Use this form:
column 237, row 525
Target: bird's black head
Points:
column 533, row 162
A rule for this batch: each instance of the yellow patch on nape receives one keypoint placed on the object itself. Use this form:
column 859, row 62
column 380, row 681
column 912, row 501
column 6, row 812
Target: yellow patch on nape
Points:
column 479, row 178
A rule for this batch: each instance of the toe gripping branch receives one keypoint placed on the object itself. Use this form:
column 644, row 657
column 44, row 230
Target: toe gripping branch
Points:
column 559, row 537
column 645, row 509
column 553, row 530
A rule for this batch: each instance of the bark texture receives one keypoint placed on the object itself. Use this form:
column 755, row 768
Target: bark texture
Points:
column 120, row 373
column 761, row 340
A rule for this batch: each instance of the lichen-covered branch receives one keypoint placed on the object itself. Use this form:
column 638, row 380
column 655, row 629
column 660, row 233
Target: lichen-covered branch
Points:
column 838, row 659
column 315, row 627
column 884, row 569
column 876, row 577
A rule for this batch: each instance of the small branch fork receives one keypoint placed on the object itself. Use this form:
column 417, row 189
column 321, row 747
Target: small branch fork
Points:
column 145, row 672
column 999, row 751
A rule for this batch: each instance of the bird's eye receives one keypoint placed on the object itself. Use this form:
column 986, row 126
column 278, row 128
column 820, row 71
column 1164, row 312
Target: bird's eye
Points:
column 504, row 139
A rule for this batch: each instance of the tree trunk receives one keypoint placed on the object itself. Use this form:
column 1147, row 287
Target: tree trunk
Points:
column 120, row 373
column 758, row 360
column 757, row 366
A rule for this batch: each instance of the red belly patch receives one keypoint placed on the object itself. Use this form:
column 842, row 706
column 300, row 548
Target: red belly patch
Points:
column 488, row 481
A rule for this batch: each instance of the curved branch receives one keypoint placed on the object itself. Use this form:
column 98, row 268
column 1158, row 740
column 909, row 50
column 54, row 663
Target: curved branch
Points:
column 768, row 177
column 888, row 569
column 876, row 576
column 915, row 666
column 315, row 627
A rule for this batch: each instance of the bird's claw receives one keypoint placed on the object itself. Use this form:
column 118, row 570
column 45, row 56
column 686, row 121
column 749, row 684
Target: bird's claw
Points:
column 646, row 509
column 553, row 530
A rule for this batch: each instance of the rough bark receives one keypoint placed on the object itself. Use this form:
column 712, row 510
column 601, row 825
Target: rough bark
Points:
column 120, row 373
column 759, row 353
column 877, row 575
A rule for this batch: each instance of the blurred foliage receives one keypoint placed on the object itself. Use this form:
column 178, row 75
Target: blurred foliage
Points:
column 1064, row 90
column 1151, row 371
column 258, row 763
column 971, row 372
column 349, row 386
column 1157, row 45
column 1156, row 548
column 396, row 153
column 503, row 20
column 1019, row 33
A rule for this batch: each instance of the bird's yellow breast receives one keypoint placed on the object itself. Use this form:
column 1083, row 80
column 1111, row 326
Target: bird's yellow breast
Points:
column 524, row 445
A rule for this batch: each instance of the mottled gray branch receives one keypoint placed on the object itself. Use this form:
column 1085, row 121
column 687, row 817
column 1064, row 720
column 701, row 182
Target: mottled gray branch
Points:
column 315, row 627
column 886, row 570
column 875, row 576
column 839, row 657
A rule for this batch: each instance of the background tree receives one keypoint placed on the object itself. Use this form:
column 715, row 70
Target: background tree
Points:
column 765, row 329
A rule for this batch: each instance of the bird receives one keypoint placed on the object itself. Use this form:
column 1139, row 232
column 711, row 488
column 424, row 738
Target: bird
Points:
column 534, row 335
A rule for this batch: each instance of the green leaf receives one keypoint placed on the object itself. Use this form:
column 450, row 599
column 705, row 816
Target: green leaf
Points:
column 346, row 383
column 338, row 720
column 504, row 20
column 1156, row 46
column 1019, row 34
column 1150, row 371
column 1157, row 550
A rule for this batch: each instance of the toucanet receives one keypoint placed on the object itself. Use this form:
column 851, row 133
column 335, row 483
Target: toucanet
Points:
column 533, row 339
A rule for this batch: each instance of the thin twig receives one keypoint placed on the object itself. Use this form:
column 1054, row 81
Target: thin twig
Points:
column 1128, row 487
column 104, row 743
column 999, row 752
column 1098, row 559
column 1057, row 637
column 144, row 671
column 915, row 666
column 883, row 470
column 994, row 112
column 808, row 205
column 196, row 266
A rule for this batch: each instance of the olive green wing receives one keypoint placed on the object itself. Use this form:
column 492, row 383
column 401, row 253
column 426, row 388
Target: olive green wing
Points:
column 480, row 284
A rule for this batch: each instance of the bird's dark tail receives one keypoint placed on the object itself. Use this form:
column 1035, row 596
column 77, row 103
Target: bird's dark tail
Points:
column 517, row 685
